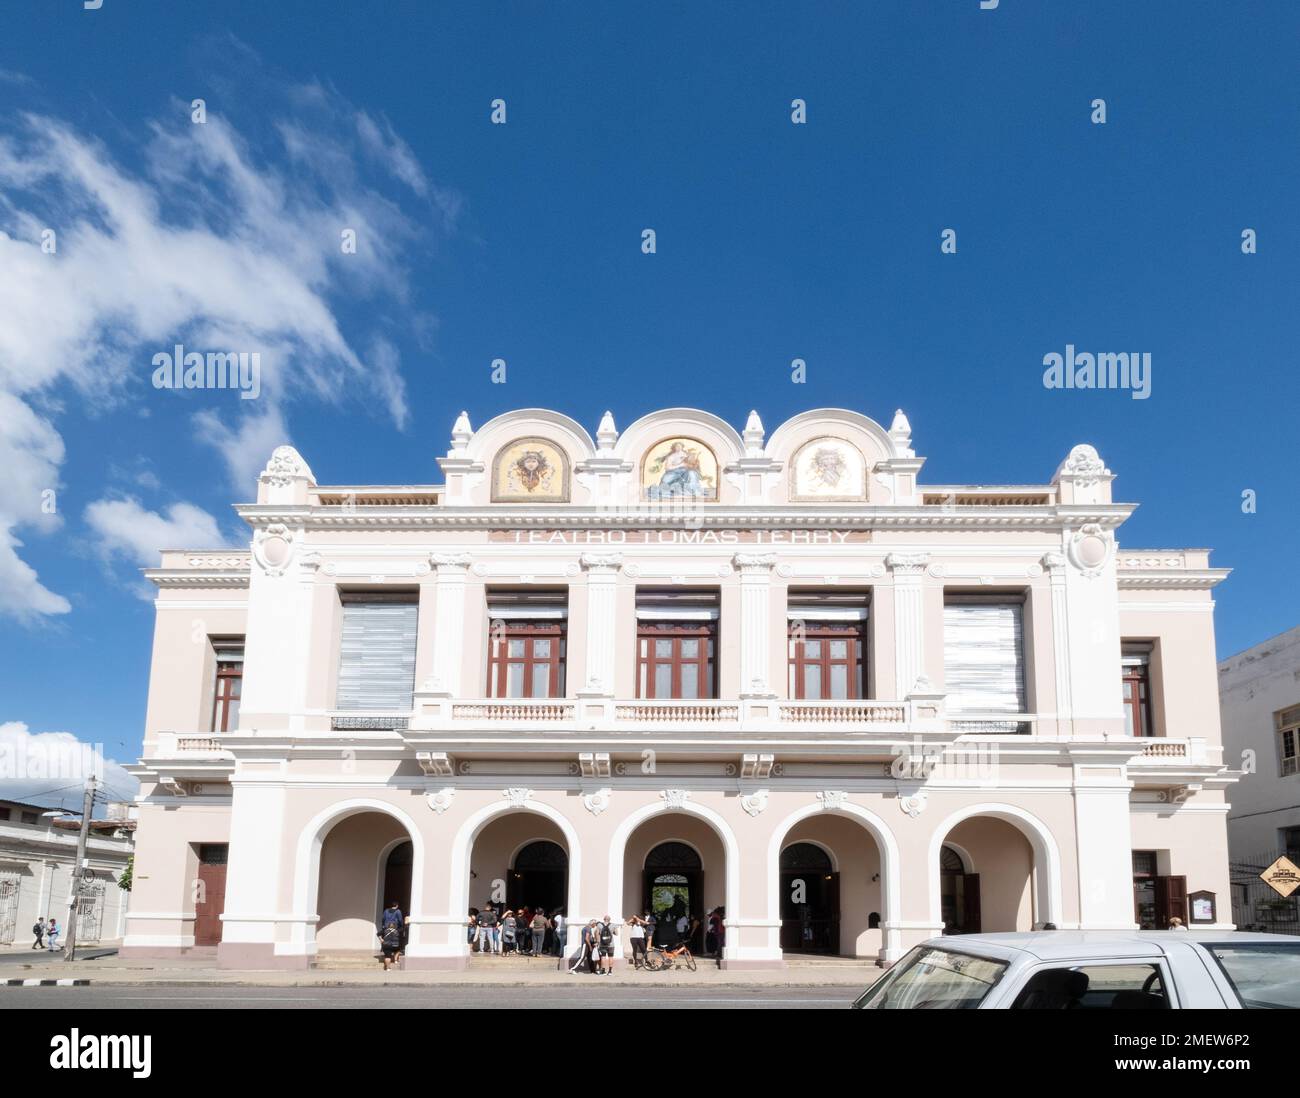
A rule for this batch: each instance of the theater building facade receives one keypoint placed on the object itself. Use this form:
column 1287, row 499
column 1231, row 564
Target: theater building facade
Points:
column 683, row 667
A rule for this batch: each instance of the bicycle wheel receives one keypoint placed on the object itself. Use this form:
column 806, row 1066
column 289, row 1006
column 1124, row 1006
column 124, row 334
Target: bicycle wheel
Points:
column 654, row 960
column 689, row 958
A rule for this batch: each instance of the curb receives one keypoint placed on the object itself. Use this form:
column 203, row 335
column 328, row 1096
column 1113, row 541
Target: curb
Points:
column 44, row 983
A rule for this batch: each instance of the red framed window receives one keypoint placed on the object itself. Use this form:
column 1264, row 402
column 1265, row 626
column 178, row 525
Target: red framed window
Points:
column 1137, row 697
column 675, row 659
column 825, row 660
column 229, row 687
column 525, row 659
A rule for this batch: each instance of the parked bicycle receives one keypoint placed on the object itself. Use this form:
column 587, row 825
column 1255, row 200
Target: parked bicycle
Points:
column 659, row 958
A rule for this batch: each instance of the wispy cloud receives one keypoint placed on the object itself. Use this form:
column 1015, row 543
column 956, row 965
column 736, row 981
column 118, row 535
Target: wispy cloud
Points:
column 224, row 240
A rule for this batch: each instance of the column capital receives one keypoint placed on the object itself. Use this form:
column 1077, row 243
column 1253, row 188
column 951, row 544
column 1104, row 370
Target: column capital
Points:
column 601, row 563
column 754, row 563
column 907, row 564
column 450, row 562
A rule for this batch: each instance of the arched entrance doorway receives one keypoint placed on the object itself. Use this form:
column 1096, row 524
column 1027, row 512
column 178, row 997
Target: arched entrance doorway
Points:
column 1000, row 897
column 397, row 877
column 674, row 889
column 361, row 861
column 810, row 900
column 539, row 877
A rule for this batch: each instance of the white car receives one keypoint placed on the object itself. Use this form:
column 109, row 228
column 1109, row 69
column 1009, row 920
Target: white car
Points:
column 1093, row 970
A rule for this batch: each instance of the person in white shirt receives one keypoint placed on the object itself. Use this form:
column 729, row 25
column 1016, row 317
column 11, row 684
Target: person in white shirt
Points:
column 637, row 937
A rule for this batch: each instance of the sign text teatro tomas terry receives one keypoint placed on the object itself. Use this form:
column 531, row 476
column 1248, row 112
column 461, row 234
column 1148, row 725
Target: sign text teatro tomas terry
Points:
column 680, row 537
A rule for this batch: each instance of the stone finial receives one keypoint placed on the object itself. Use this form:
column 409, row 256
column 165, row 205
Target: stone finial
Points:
column 286, row 465
column 901, row 432
column 753, row 435
column 1084, row 464
column 606, row 433
column 461, row 433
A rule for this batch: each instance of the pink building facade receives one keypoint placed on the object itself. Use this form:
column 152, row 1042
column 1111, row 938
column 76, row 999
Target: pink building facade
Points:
column 684, row 668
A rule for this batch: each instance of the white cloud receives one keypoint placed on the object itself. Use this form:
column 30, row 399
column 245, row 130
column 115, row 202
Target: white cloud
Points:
column 123, row 527
column 50, row 768
column 217, row 242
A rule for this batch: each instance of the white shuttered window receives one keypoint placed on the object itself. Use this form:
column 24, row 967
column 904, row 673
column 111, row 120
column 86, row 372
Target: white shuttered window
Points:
column 984, row 657
column 377, row 654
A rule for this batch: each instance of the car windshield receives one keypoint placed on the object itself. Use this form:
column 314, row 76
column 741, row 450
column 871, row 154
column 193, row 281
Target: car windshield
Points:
column 1266, row 975
column 934, row 979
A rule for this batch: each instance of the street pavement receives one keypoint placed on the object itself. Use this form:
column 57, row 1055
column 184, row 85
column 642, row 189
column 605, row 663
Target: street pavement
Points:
column 597, row 993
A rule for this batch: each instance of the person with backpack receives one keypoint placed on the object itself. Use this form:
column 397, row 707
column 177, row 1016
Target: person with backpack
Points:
column 390, row 943
column 38, row 928
column 605, row 932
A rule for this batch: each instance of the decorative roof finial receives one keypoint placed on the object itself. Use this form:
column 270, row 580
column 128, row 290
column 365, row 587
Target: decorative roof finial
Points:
column 461, row 433
column 753, row 435
column 606, row 433
column 901, row 432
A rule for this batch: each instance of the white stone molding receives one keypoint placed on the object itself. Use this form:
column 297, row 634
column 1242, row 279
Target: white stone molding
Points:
column 450, row 573
column 833, row 799
column 435, row 764
column 754, row 803
column 594, row 764
column 517, row 795
column 913, row 804
column 675, row 798
column 441, row 800
column 596, row 802
column 907, row 564
column 273, row 549
column 1090, row 549
column 756, row 767
column 450, row 562
column 755, row 621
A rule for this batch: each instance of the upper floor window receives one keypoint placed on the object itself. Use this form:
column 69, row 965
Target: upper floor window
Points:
column 1137, row 694
column 826, row 642
column 1287, row 723
column 677, row 634
column 526, row 644
column 984, row 656
column 1289, row 839
column 229, row 684
column 377, row 651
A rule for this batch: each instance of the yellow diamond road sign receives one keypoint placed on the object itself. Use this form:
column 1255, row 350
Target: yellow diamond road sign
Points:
column 1282, row 876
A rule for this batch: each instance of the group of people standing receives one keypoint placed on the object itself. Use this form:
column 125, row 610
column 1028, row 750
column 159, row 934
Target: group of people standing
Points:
column 527, row 932
column 46, row 932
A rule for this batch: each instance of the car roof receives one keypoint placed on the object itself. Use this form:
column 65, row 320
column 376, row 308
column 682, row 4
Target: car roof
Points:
column 1050, row 945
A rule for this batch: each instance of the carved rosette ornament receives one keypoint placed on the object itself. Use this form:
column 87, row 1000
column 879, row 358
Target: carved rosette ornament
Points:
column 1090, row 549
column 754, row 803
column 596, row 802
column 273, row 549
column 517, row 795
column 441, row 800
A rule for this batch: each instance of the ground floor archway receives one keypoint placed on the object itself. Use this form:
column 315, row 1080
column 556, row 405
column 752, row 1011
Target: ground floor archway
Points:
column 365, row 859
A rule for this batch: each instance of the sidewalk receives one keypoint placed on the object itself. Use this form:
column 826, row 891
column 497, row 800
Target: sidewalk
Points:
column 201, row 972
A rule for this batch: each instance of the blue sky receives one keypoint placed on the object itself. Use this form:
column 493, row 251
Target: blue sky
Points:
column 522, row 242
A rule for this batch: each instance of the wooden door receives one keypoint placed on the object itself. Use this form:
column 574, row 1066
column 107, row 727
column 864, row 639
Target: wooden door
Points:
column 970, row 893
column 1171, row 900
column 212, row 878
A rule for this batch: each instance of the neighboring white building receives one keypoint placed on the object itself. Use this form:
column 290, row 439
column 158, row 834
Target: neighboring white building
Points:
column 1259, row 698
column 684, row 666
column 37, row 853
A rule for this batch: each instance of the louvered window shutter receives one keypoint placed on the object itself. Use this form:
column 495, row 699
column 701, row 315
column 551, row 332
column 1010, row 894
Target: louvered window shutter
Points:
column 377, row 658
column 984, row 657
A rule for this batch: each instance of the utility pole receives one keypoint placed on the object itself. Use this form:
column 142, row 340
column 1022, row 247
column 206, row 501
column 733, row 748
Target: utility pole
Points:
column 70, row 939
